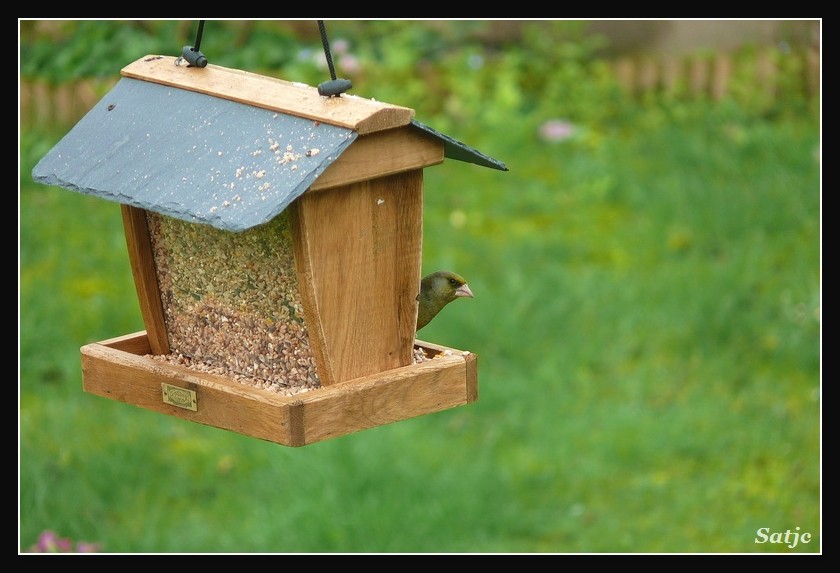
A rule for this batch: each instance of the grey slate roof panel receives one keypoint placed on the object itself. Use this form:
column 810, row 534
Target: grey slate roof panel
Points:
column 454, row 149
column 192, row 156
column 201, row 158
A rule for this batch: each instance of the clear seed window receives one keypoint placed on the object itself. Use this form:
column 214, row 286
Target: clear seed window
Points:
column 231, row 303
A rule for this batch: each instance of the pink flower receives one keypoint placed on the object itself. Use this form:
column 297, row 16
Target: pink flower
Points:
column 349, row 63
column 556, row 130
column 50, row 542
column 341, row 46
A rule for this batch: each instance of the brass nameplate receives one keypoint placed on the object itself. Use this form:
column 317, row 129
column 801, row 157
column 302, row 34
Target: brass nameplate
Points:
column 180, row 397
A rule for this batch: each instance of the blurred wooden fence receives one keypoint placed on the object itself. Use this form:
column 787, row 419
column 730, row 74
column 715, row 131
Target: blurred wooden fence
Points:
column 771, row 73
column 44, row 104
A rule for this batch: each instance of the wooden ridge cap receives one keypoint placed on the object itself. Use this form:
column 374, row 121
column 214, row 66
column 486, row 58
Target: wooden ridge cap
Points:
column 359, row 114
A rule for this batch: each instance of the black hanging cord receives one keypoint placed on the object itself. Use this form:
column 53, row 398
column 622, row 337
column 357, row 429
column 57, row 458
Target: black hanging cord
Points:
column 334, row 87
column 326, row 43
column 192, row 53
column 198, row 34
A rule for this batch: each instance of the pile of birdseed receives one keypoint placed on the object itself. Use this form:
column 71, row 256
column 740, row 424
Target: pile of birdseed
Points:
column 419, row 355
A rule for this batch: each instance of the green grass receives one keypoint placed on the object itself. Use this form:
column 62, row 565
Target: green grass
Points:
column 647, row 321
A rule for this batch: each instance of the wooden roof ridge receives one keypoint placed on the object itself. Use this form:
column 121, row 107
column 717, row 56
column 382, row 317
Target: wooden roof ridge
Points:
column 360, row 114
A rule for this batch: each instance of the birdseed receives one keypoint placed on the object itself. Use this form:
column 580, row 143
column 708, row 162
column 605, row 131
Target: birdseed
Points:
column 231, row 303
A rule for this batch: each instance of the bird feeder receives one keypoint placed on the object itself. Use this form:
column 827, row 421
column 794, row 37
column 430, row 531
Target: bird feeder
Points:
column 275, row 240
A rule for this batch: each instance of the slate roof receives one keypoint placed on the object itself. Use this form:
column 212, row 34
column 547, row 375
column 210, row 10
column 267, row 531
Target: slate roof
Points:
column 201, row 158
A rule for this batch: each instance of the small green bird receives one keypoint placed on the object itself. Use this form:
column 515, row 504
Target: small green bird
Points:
column 436, row 291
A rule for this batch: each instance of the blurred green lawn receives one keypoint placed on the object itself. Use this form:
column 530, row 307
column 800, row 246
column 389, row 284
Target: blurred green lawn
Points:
column 647, row 322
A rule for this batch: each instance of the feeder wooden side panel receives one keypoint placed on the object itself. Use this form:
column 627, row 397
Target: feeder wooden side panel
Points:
column 359, row 250
column 431, row 386
column 145, row 279
column 380, row 154
column 135, row 379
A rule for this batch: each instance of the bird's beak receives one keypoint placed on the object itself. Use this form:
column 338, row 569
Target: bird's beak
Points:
column 464, row 290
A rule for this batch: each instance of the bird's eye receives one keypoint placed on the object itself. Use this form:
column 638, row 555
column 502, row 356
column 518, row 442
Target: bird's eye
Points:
column 453, row 282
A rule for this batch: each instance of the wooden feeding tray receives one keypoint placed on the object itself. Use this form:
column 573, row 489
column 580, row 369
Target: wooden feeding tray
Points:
column 120, row 369
column 275, row 243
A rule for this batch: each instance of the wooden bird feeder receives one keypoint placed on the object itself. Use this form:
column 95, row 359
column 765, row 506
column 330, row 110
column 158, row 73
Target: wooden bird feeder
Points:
column 275, row 239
